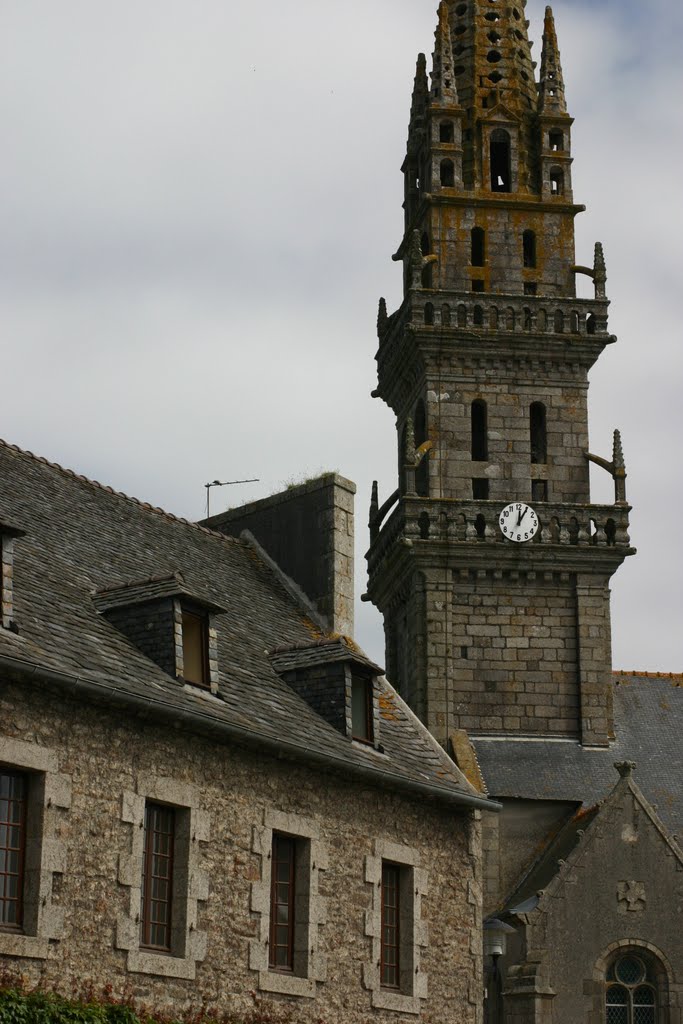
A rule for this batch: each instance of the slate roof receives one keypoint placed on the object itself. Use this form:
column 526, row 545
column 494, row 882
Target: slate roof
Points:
column 648, row 712
column 83, row 539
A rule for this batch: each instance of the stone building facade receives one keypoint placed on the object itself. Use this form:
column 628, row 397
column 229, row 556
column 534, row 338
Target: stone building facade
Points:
column 178, row 728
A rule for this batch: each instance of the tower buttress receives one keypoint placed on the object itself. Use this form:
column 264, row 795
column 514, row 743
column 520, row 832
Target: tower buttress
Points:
column 485, row 366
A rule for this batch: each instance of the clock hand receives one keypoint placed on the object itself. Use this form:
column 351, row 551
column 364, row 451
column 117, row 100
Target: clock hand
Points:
column 521, row 515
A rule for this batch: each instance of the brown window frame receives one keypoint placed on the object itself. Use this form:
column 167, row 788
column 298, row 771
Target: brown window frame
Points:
column 390, row 936
column 368, row 697
column 150, row 855
column 22, row 800
column 203, row 620
column 282, row 843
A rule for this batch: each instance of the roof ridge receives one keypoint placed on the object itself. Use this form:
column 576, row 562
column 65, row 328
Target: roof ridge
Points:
column 144, row 505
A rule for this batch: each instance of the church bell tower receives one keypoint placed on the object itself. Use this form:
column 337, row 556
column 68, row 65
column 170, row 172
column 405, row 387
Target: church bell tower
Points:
column 485, row 365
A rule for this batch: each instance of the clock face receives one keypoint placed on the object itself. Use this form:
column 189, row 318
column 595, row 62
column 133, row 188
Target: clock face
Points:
column 518, row 521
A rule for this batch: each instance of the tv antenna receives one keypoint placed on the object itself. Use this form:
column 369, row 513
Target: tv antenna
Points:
column 224, row 483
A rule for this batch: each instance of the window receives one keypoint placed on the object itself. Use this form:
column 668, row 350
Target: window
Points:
column 32, row 849
column 13, row 800
column 538, row 433
column 422, row 472
column 478, row 286
column 393, row 973
column 631, row 996
column 446, row 133
column 480, row 489
column 156, row 903
column 282, row 903
column 447, row 173
column 539, row 490
column 556, row 140
column 162, row 870
column 479, row 431
column 556, row 182
column 391, row 926
column 530, row 288
column 195, row 648
column 429, row 314
column 529, row 248
column 289, row 905
column 501, row 175
column 477, row 247
column 362, row 709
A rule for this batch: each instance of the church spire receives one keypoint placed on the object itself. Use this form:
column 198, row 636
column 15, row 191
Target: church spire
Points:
column 444, row 92
column 551, row 99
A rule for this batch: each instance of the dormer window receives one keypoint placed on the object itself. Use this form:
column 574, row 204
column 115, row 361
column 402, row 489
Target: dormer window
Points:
column 169, row 624
column 8, row 535
column 195, row 648
column 338, row 682
column 362, row 709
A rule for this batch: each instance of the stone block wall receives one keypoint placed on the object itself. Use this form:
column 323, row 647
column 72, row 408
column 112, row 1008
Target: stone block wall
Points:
column 508, row 469
column 151, row 627
column 308, row 531
column 503, row 271
column 230, row 797
column 515, row 655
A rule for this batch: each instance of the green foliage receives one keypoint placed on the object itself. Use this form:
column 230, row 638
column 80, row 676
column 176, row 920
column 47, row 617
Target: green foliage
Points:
column 19, row 1005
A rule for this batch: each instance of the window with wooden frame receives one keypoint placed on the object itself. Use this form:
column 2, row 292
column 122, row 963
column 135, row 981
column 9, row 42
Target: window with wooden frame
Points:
column 362, row 709
column 282, row 903
column 390, row 965
column 13, row 804
column 156, row 903
column 196, row 648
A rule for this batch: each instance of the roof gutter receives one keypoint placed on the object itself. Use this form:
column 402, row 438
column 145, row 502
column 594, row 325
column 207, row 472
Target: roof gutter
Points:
column 227, row 730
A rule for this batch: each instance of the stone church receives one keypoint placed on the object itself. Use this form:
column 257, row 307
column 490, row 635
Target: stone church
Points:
column 490, row 564
column 209, row 795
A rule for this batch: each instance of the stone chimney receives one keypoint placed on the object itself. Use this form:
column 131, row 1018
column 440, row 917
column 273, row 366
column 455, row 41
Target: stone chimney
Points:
column 308, row 531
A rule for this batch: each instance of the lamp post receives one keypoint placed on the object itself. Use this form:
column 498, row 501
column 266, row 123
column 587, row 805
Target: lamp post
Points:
column 495, row 942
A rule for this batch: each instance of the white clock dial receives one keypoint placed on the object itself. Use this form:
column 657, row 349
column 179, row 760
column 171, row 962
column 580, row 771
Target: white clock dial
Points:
column 518, row 522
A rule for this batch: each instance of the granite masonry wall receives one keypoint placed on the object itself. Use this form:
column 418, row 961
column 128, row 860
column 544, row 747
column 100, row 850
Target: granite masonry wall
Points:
column 103, row 765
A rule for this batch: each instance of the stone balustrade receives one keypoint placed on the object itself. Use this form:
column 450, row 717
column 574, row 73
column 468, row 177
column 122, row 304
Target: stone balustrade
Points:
column 503, row 314
column 475, row 522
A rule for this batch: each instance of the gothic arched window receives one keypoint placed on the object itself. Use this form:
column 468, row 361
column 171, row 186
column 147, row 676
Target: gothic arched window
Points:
column 480, row 444
column 501, row 169
column 422, row 472
column 631, row 991
column 478, row 247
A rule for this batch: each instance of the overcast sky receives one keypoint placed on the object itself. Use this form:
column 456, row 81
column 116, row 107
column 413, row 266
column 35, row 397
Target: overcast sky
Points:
column 198, row 204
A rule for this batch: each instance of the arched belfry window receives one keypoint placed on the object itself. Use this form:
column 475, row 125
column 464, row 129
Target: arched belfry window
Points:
column 631, row 990
column 529, row 248
column 422, row 473
column 501, row 169
column 538, row 432
column 556, row 181
column 480, row 444
column 478, row 247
